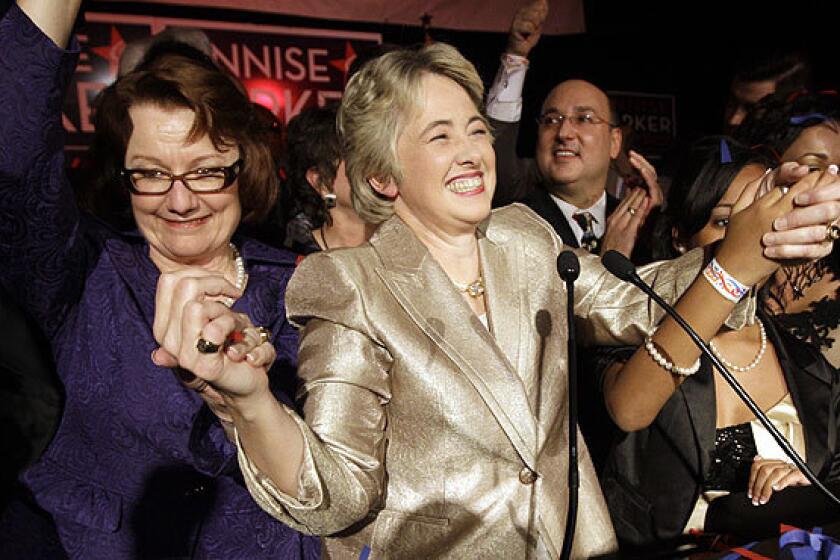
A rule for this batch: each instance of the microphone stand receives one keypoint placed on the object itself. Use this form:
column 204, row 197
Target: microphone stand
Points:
column 626, row 271
column 568, row 267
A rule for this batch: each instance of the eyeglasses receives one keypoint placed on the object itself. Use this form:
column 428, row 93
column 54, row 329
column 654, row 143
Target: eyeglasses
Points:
column 580, row 120
column 203, row 180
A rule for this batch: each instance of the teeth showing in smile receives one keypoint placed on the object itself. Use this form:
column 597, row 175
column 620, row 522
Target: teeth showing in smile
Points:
column 464, row 185
column 565, row 153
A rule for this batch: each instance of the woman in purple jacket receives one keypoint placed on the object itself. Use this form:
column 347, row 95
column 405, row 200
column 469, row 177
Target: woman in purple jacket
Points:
column 139, row 466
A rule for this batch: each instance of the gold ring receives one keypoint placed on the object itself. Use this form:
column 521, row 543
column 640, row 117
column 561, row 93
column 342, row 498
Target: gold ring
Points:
column 265, row 334
column 206, row 347
column 632, row 211
column 832, row 232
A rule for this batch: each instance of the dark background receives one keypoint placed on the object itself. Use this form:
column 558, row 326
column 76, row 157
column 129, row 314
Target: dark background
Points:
column 678, row 48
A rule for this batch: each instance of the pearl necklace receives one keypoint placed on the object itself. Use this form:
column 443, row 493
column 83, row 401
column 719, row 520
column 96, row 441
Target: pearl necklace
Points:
column 241, row 275
column 474, row 289
column 752, row 364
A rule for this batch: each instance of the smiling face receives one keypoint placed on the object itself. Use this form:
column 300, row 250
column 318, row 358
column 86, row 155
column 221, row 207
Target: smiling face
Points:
column 182, row 228
column 574, row 158
column 447, row 160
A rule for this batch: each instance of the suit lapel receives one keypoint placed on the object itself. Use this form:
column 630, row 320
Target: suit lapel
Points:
column 612, row 204
column 540, row 202
column 130, row 258
column 501, row 265
column 698, row 392
column 809, row 382
column 431, row 301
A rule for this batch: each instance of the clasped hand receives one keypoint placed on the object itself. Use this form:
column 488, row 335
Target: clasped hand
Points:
column 780, row 218
column 188, row 308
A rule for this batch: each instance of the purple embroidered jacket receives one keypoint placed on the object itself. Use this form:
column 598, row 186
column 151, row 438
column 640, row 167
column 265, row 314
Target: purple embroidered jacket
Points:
column 138, row 467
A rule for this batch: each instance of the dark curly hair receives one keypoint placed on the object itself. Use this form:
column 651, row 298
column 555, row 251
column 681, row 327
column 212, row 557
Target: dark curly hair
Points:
column 777, row 120
column 311, row 142
column 706, row 170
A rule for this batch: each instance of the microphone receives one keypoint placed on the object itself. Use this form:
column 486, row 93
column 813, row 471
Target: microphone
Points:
column 621, row 267
column 568, row 267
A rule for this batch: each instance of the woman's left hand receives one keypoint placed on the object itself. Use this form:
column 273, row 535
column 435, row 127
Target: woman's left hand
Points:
column 771, row 475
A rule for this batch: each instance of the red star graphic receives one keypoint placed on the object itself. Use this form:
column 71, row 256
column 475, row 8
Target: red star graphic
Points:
column 343, row 64
column 112, row 52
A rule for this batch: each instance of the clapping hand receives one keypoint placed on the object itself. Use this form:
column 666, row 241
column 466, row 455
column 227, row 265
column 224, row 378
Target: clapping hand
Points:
column 624, row 224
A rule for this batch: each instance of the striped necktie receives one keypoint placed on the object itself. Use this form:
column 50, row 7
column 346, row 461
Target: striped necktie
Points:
column 588, row 241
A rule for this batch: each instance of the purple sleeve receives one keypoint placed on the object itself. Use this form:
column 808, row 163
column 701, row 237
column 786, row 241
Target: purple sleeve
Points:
column 42, row 253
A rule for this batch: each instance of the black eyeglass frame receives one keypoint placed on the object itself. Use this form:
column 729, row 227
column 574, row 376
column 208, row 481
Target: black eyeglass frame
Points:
column 231, row 173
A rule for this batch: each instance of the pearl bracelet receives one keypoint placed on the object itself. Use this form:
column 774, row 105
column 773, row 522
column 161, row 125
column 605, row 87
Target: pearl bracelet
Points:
column 657, row 357
column 725, row 284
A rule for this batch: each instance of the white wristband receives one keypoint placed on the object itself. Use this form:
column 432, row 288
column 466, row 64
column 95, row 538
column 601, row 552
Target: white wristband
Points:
column 725, row 284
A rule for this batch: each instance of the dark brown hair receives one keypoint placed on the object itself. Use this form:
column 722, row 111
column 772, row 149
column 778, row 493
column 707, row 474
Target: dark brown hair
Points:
column 312, row 142
column 175, row 75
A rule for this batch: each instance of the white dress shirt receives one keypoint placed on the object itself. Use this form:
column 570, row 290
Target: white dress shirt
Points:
column 504, row 99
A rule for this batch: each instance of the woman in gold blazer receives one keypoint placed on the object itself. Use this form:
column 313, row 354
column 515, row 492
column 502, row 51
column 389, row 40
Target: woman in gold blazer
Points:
column 450, row 436
column 434, row 356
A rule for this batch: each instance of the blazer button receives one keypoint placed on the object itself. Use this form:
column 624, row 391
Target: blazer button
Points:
column 527, row 476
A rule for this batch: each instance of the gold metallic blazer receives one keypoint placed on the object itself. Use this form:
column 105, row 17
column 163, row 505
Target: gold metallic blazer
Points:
column 428, row 435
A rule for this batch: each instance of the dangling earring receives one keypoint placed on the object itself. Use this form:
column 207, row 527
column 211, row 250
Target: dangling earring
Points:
column 329, row 200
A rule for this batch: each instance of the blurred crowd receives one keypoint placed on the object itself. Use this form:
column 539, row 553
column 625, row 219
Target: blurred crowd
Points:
column 233, row 337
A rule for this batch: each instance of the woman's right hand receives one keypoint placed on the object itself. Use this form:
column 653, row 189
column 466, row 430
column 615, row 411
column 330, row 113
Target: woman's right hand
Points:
column 742, row 252
column 187, row 310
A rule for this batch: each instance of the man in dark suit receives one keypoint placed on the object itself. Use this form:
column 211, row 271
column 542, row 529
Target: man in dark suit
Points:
column 578, row 137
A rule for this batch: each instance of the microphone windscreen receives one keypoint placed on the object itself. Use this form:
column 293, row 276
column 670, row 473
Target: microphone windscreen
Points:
column 619, row 266
column 568, row 266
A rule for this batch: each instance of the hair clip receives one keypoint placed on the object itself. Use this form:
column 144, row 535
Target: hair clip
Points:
column 802, row 119
column 725, row 154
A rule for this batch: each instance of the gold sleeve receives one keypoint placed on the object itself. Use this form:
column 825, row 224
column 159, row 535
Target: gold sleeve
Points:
column 345, row 389
column 615, row 312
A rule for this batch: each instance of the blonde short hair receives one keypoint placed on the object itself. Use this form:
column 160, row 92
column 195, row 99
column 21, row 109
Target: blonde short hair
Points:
column 375, row 106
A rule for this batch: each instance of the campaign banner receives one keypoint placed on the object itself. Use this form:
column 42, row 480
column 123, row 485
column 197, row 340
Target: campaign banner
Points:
column 648, row 120
column 565, row 16
column 285, row 69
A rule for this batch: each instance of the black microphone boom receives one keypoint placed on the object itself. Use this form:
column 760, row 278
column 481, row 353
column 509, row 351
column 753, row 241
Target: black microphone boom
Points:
column 621, row 267
column 568, row 267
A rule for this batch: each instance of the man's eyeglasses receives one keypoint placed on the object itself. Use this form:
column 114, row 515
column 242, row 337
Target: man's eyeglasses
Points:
column 203, row 180
column 580, row 120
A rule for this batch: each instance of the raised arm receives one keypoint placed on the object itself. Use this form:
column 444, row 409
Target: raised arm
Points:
column 55, row 19
column 320, row 475
column 504, row 101
column 636, row 392
column 42, row 256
